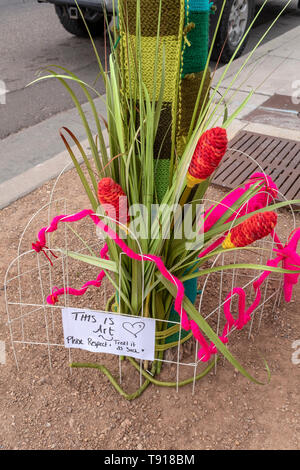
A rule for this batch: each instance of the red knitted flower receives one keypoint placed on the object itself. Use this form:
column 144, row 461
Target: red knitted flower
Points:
column 112, row 196
column 208, row 153
column 256, row 227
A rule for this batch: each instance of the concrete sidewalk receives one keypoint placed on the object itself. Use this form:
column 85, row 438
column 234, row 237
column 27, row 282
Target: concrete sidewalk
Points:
column 273, row 69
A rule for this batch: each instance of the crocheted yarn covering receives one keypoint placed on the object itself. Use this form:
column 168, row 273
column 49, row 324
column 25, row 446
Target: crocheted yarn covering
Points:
column 148, row 45
column 162, row 167
column 170, row 17
column 255, row 228
column 184, row 29
column 113, row 199
column 163, row 141
column 171, row 30
column 208, row 153
column 195, row 56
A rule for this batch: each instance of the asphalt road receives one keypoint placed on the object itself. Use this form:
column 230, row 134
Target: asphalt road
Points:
column 31, row 38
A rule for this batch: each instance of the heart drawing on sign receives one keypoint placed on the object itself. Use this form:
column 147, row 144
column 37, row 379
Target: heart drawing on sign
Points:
column 134, row 328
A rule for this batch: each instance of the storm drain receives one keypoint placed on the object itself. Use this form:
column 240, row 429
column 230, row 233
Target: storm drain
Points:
column 250, row 152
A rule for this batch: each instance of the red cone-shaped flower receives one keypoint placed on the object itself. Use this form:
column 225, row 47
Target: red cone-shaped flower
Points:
column 208, row 153
column 114, row 200
column 256, row 227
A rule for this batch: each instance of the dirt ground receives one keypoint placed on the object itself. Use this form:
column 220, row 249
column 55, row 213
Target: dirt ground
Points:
column 43, row 408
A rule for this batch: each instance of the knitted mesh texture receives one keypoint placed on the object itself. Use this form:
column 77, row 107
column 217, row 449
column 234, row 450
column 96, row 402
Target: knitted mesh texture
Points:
column 114, row 200
column 255, row 228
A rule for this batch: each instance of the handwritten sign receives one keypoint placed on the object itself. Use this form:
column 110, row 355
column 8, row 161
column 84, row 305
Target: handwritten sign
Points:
column 111, row 333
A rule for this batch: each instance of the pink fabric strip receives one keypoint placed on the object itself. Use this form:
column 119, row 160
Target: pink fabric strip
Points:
column 291, row 260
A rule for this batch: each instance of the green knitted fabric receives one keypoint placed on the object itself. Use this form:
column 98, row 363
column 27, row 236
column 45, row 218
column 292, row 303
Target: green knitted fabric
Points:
column 171, row 30
column 190, row 290
column 197, row 33
column 162, row 174
column 194, row 57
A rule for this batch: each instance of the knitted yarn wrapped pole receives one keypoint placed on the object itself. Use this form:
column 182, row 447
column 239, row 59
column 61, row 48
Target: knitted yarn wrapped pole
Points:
column 184, row 29
column 183, row 38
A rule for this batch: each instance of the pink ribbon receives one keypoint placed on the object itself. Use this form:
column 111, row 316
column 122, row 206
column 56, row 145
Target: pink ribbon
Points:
column 290, row 259
column 267, row 191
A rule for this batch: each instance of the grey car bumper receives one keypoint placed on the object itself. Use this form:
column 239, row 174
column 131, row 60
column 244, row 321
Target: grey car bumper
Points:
column 95, row 4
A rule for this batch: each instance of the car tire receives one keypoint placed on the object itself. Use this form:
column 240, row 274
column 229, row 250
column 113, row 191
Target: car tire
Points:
column 77, row 26
column 237, row 17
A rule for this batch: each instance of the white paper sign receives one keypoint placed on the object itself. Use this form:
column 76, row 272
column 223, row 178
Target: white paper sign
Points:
column 107, row 332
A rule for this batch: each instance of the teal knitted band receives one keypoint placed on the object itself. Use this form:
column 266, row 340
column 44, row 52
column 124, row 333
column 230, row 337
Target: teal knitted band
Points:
column 198, row 5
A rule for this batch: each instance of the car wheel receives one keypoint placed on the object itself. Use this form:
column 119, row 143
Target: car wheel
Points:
column 77, row 26
column 237, row 16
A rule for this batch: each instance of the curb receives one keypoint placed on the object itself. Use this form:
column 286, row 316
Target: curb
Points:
column 23, row 184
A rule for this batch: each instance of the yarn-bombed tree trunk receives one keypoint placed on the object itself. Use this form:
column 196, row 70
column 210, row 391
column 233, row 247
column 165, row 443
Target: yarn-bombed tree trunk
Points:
column 184, row 29
column 183, row 48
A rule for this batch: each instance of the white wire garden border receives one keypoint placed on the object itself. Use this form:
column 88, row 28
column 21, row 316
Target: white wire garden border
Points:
column 12, row 307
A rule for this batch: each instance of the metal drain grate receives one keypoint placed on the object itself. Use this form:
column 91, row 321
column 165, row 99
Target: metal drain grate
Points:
column 279, row 158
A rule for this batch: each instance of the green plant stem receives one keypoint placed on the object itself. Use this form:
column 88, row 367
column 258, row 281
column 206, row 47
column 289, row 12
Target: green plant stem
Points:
column 148, row 376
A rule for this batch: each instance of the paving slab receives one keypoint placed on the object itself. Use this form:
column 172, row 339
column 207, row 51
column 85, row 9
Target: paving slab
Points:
column 48, row 157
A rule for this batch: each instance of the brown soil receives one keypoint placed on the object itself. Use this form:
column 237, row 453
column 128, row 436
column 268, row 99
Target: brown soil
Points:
column 43, row 408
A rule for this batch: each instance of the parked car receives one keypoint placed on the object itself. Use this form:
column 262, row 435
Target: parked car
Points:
column 92, row 10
